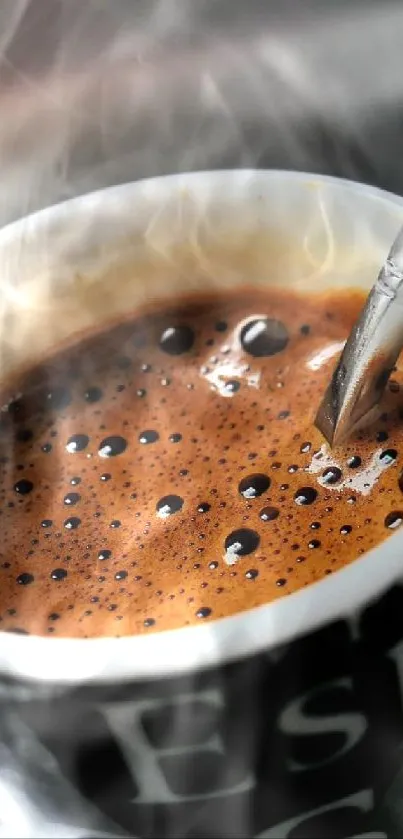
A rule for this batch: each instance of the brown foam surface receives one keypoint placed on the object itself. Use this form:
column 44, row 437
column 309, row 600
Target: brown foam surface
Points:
column 167, row 472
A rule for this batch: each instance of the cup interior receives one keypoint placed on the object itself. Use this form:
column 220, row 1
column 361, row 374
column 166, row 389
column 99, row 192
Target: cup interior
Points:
column 94, row 259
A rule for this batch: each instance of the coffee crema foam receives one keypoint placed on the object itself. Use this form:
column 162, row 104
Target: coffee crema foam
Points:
column 167, row 471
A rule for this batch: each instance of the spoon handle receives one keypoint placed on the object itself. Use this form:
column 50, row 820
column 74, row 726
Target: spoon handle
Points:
column 369, row 355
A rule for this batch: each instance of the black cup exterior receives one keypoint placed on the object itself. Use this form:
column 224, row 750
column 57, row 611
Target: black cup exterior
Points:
column 304, row 740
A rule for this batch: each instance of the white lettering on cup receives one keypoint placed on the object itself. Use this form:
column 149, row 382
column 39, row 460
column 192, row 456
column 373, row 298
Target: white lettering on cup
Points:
column 294, row 721
column 142, row 758
column 362, row 800
column 373, row 834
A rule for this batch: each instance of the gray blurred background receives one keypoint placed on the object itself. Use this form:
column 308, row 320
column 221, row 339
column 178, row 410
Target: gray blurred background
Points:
column 96, row 92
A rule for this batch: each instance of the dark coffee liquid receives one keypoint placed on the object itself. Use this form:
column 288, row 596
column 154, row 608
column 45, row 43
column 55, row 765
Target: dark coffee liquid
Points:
column 167, row 472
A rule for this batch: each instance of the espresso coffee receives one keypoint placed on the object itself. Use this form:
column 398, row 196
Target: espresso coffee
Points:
column 167, row 472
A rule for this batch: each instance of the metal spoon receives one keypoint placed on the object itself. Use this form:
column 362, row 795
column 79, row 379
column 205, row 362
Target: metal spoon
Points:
column 370, row 353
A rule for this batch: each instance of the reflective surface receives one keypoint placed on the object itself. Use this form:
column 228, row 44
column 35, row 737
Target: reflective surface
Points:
column 354, row 395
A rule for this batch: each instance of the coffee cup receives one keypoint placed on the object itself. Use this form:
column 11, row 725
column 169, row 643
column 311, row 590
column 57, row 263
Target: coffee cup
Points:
column 269, row 722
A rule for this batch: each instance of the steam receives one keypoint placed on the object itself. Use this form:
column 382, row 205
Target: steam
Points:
column 322, row 265
column 96, row 94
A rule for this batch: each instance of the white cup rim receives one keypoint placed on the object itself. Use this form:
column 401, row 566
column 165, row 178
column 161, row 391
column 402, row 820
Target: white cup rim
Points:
column 176, row 652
